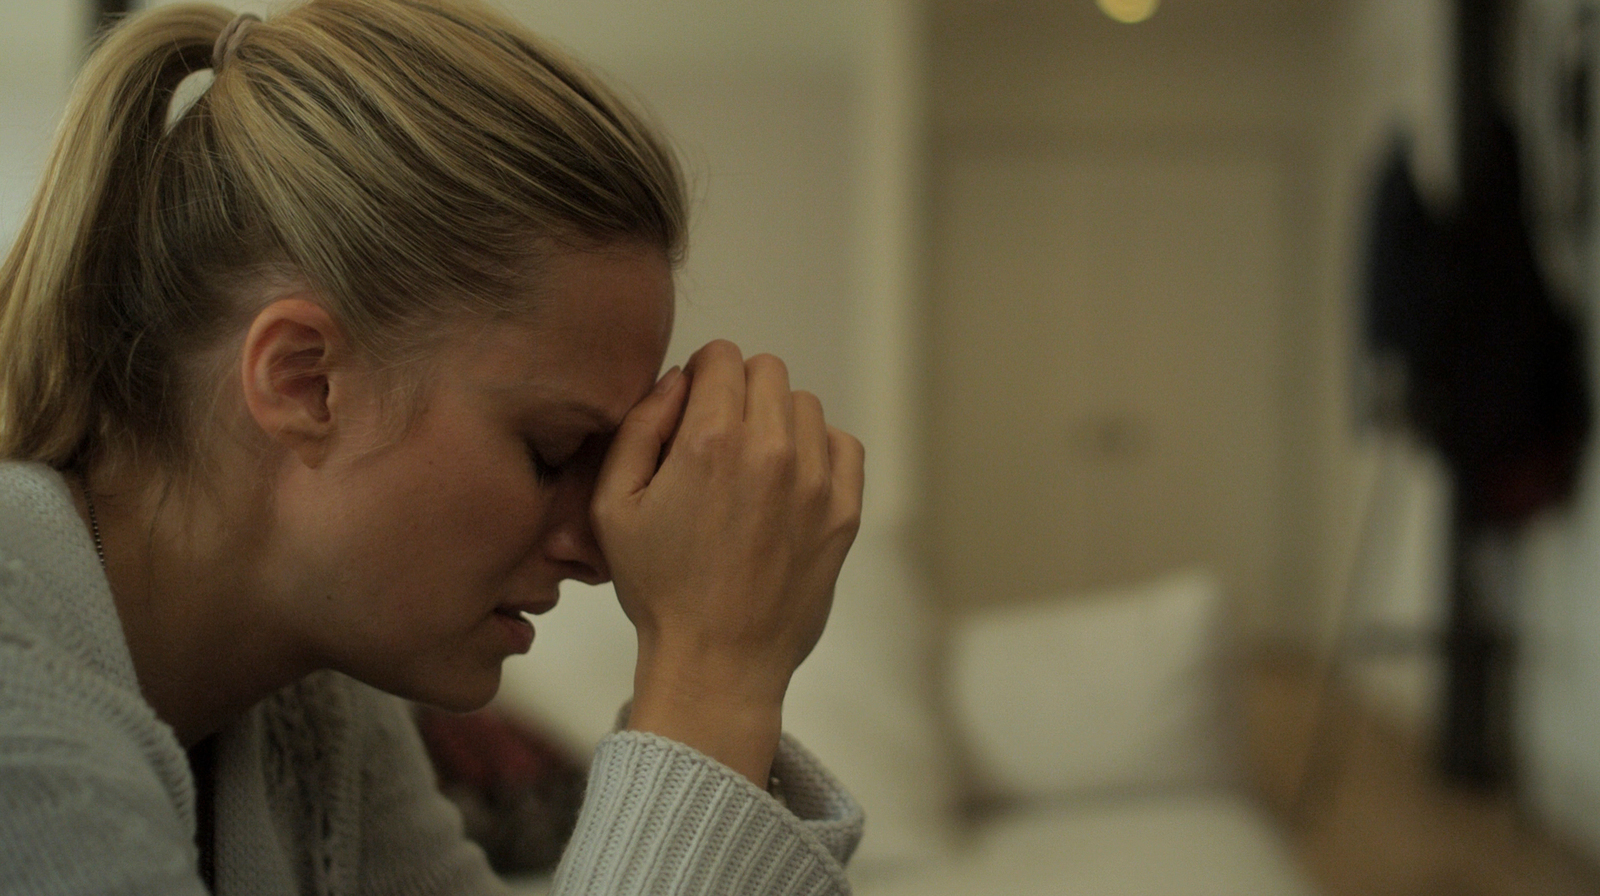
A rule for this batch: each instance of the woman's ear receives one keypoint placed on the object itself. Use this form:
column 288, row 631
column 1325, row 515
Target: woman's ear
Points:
column 294, row 359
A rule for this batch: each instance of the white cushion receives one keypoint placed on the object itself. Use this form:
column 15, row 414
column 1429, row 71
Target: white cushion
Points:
column 1198, row 844
column 1090, row 693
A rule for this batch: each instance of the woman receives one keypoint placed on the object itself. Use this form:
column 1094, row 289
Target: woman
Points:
column 328, row 348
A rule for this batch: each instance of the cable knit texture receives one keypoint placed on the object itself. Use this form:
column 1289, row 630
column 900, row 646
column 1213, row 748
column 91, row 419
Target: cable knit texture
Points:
column 324, row 788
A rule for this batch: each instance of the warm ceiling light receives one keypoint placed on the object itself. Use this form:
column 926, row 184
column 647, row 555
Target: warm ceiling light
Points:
column 1129, row 11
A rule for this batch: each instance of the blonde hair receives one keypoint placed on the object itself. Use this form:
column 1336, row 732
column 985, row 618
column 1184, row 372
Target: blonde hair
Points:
column 405, row 158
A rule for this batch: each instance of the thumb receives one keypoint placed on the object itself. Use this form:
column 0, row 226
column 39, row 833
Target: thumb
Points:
column 630, row 464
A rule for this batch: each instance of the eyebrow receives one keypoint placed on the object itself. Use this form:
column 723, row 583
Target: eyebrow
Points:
column 595, row 414
column 598, row 416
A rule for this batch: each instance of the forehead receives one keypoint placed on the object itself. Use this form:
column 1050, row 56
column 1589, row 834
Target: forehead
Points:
column 603, row 298
column 596, row 336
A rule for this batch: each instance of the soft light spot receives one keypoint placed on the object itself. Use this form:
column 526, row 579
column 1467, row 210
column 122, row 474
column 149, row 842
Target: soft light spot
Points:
column 1129, row 11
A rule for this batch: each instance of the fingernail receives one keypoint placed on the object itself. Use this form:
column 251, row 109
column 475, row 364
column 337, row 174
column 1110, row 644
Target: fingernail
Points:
column 668, row 380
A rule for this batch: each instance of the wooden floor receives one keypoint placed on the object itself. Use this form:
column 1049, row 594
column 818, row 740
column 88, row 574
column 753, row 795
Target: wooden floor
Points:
column 1381, row 823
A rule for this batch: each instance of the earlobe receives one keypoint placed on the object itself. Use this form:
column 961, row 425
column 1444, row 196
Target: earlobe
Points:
column 287, row 370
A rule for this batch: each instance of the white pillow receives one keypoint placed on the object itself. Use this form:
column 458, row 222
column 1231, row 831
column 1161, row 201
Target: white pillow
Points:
column 1082, row 694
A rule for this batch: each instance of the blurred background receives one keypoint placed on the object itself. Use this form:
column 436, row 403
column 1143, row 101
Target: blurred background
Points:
column 1115, row 290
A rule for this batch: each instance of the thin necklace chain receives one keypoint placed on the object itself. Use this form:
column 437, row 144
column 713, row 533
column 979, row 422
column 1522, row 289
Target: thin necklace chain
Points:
column 94, row 526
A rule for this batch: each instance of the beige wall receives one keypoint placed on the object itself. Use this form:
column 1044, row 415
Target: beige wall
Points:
column 1221, row 90
column 1310, row 89
column 39, row 52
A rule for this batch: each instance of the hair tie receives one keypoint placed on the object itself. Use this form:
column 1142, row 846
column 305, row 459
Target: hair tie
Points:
column 228, row 41
column 194, row 86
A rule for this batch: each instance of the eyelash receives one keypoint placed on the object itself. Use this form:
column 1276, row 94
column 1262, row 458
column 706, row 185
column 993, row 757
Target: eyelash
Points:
column 543, row 471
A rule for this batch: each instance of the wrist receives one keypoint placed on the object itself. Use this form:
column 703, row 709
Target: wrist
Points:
column 730, row 715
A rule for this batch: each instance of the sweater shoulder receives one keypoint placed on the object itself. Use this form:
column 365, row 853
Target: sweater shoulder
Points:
column 52, row 588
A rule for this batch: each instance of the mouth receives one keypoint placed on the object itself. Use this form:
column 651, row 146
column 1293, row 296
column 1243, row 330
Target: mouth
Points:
column 514, row 628
column 529, row 608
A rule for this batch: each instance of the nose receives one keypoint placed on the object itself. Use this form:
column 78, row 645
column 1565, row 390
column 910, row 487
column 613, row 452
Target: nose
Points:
column 570, row 541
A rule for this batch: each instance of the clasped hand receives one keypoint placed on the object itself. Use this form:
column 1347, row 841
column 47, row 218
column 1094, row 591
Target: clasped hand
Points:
column 725, row 508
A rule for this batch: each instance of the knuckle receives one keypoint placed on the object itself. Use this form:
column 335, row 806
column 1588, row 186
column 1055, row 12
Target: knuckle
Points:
column 850, row 443
column 849, row 502
column 808, row 404
column 847, row 515
column 850, row 526
column 710, row 442
column 767, row 363
column 776, row 457
column 721, row 350
column 817, row 491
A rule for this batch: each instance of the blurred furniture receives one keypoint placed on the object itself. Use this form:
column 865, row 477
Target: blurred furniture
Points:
column 1073, row 745
column 1097, row 756
column 1344, row 745
column 1385, row 821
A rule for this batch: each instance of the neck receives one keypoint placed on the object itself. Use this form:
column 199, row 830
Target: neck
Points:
column 197, row 620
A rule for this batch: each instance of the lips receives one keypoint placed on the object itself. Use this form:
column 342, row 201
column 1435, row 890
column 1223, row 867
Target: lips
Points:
column 516, row 629
column 516, row 610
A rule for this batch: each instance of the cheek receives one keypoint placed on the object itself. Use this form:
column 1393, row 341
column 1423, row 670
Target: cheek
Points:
column 484, row 515
column 463, row 547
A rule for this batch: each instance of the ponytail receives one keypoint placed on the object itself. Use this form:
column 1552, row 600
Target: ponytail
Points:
column 70, row 325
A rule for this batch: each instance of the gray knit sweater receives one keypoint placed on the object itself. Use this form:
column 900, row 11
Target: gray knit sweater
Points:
column 323, row 787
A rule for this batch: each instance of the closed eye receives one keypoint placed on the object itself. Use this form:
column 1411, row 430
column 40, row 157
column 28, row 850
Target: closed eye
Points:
column 550, row 465
column 544, row 470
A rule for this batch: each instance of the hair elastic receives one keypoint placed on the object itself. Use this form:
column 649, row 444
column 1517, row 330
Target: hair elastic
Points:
column 228, row 41
column 192, row 88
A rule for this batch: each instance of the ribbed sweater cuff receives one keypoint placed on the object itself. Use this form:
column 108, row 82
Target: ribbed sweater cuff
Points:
column 663, row 818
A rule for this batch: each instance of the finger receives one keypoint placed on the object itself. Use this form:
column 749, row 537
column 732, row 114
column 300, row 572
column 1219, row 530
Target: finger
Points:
column 848, row 459
column 716, row 401
column 813, row 453
column 768, row 404
column 631, row 461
